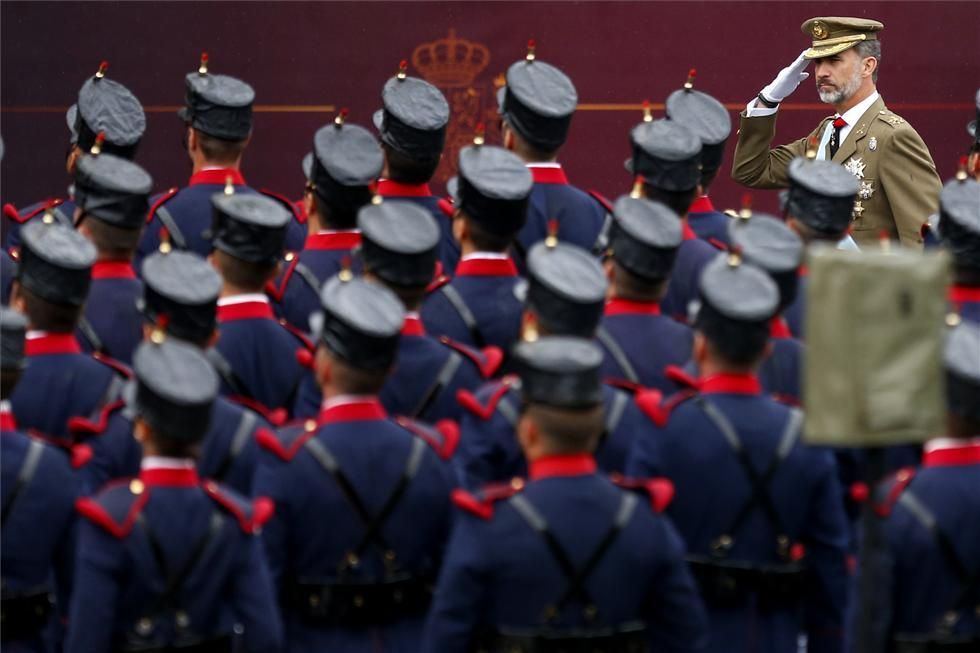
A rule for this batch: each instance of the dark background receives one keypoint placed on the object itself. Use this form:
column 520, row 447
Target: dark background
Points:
column 306, row 60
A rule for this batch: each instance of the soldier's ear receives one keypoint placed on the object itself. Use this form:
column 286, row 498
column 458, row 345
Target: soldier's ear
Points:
column 527, row 433
column 191, row 139
column 699, row 349
column 323, row 367
column 868, row 66
column 16, row 299
column 460, row 229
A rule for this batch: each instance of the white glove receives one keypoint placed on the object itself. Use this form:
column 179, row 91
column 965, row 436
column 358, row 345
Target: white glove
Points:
column 787, row 80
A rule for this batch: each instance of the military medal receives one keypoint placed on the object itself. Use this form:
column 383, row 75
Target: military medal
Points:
column 867, row 190
column 873, row 144
column 855, row 166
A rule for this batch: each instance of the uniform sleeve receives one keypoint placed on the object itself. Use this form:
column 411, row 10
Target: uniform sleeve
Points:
column 64, row 562
column 254, row 600
column 676, row 616
column 826, row 540
column 461, row 594
column 911, row 184
column 754, row 164
column 270, row 482
column 479, row 459
column 99, row 569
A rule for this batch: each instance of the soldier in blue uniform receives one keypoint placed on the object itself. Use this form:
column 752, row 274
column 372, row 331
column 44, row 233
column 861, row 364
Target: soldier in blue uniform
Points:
column 765, row 530
column 666, row 164
column 412, row 125
column 639, row 341
column 111, row 195
column 566, row 561
column 768, row 243
column 959, row 225
column 819, row 208
column 167, row 561
column 565, row 296
column 362, row 500
column 256, row 355
column 478, row 307
column 180, row 301
column 536, row 107
column 709, row 119
column 345, row 161
column 933, row 537
column 63, row 393
column 38, row 513
column 104, row 106
column 218, row 119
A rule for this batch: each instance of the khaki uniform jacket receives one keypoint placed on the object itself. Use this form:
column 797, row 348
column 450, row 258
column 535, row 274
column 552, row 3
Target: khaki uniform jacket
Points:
column 899, row 183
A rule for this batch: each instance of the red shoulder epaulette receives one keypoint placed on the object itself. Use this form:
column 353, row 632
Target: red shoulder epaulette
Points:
column 899, row 481
column 601, row 199
column 275, row 416
column 468, row 400
column 115, row 508
column 298, row 214
column 11, row 212
column 481, row 504
column 287, row 443
column 443, row 437
column 251, row 514
column 658, row 409
column 116, row 366
column 488, row 359
column 786, row 399
column 680, row 377
column 298, row 333
column 660, row 490
column 84, row 425
column 277, row 293
column 437, row 283
column 79, row 454
column 717, row 244
column 446, row 206
column 160, row 200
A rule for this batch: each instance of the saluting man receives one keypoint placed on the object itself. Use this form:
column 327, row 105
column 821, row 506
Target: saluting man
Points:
column 899, row 183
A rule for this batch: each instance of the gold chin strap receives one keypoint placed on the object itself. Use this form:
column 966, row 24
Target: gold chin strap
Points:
column 840, row 39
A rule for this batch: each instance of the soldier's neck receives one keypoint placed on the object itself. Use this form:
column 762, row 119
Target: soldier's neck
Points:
column 200, row 163
column 862, row 94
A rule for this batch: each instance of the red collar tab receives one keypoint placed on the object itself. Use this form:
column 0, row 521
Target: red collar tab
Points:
column 333, row 240
column 355, row 411
column 702, row 205
column 778, row 328
column 7, row 421
column 217, row 176
column 413, row 326
column 839, row 123
column 548, row 175
column 113, row 270
column 688, row 233
column 389, row 188
column 735, row 384
column 570, row 465
column 486, row 267
column 52, row 343
column 960, row 294
column 245, row 311
column 966, row 454
column 170, row 477
column 618, row 306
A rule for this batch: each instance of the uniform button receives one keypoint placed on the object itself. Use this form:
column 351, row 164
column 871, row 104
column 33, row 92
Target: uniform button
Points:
column 903, row 475
column 144, row 627
column 290, row 256
column 517, row 483
column 136, row 486
column 310, row 425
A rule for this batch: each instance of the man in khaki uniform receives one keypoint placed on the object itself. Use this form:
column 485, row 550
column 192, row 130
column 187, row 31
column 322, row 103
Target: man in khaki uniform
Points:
column 899, row 183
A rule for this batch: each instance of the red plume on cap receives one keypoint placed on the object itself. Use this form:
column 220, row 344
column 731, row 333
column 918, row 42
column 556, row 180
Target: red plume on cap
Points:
column 479, row 137
column 691, row 74
column 531, row 47
column 647, row 111
column 341, row 117
column 97, row 145
column 961, row 169
column 345, row 273
column 746, row 211
column 203, row 69
column 402, row 68
column 552, row 240
column 100, row 73
column 637, row 192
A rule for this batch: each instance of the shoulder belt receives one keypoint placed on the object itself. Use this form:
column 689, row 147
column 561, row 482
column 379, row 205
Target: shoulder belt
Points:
column 299, row 215
column 437, row 283
column 239, row 392
column 305, row 274
column 98, row 419
column 167, row 219
column 246, row 424
column 614, row 412
column 616, row 351
column 27, row 469
column 658, row 409
column 11, row 212
column 469, row 401
column 442, row 379
column 465, row 314
column 287, row 442
column 660, row 490
column 89, row 332
column 250, row 514
column 488, row 359
column 443, row 437
column 115, row 508
column 891, row 490
column 481, row 503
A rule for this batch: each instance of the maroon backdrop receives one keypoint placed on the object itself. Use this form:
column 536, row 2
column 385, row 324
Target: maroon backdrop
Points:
column 306, row 60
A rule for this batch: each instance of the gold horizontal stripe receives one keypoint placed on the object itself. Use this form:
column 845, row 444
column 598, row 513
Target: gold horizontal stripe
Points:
column 818, row 43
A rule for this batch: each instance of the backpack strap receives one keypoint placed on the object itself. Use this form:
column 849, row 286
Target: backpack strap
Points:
column 616, row 351
column 88, row 331
column 167, row 220
column 24, row 477
column 442, row 379
column 246, row 424
column 465, row 314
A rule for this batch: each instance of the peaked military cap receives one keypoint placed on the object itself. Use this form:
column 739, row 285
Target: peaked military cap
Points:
column 345, row 161
column 175, row 389
column 399, row 242
column 113, row 189
column 13, row 328
column 250, row 227
column 55, row 262
column 768, row 243
column 492, row 188
column 644, row 237
column 566, row 288
column 218, row 105
column 962, row 358
column 413, row 118
column 666, row 154
column 180, row 293
column 833, row 34
column 821, row 195
column 108, row 107
column 560, row 371
column 959, row 220
column 538, row 101
column 360, row 322
column 707, row 118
